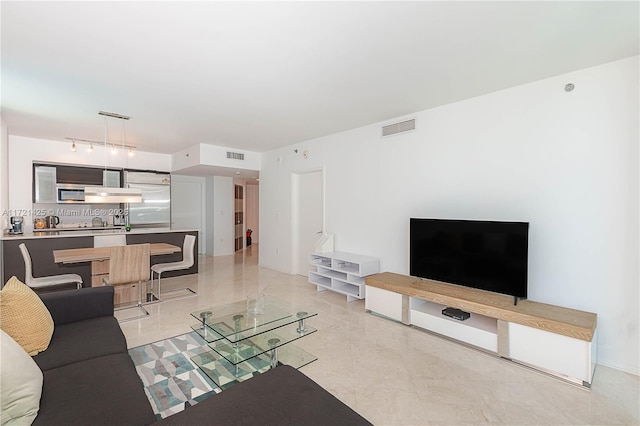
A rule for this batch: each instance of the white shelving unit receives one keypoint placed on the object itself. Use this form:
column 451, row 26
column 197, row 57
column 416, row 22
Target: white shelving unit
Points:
column 342, row 272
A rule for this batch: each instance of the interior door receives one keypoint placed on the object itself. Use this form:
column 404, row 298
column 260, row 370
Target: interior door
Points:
column 308, row 216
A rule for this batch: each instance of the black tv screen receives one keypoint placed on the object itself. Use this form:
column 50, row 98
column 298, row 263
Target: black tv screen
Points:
column 480, row 254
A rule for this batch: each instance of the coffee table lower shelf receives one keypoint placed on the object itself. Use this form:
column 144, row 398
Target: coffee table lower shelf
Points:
column 225, row 374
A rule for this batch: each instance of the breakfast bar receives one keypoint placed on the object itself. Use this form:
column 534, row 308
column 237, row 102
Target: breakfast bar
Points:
column 43, row 245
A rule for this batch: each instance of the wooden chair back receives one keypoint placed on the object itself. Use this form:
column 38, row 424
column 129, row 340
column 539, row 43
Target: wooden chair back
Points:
column 129, row 264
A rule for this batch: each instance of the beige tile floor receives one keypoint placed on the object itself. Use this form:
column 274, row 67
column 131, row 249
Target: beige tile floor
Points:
column 390, row 373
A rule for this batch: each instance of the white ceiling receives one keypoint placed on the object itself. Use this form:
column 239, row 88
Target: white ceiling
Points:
column 260, row 75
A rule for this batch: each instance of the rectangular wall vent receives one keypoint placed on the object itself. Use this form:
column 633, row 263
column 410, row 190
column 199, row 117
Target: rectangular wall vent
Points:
column 235, row 155
column 395, row 128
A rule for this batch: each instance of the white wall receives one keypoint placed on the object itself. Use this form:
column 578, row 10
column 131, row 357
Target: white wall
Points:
column 188, row 206
column 24, row 151
column 222, row 215
column 4, row 175
column 252, row 212
column 209, row 216
column 188, row 157
column 213, row 155
column 565, row 162
column 4, row 185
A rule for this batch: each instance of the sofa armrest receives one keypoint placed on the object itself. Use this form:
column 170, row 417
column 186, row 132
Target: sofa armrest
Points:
column 76, row 305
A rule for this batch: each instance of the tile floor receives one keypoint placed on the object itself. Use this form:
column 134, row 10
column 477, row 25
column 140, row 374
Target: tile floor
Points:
column 393, row 374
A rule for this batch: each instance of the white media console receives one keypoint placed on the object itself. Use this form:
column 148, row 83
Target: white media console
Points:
column 553, row 339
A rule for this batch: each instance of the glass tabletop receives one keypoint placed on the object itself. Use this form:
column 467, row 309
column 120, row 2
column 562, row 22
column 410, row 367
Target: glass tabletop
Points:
column 238, row 321
column 242, row 350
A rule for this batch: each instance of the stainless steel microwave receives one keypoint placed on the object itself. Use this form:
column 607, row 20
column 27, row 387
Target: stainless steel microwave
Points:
column 68, row 193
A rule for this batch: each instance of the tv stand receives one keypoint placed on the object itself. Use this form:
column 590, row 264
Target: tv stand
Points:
column 552, row 339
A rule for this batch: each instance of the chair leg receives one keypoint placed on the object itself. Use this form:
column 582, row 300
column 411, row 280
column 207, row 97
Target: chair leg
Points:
column 149, row 296
column 138, row 305
column 140, row 293
column 182, row 292
column 159, row 294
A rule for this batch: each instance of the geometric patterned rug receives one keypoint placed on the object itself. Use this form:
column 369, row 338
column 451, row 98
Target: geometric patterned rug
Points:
column 171, row 380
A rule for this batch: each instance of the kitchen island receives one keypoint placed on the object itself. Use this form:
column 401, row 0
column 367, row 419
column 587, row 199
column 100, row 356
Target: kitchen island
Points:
column 42, row 244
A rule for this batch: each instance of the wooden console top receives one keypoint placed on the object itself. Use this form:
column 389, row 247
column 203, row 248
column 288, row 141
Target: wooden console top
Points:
column 565, row 321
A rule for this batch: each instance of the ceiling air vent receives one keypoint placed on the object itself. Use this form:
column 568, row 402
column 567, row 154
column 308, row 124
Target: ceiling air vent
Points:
column 403, row 126
column 235, row 155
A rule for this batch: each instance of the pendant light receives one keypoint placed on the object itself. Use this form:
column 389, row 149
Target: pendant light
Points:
column 105, row 194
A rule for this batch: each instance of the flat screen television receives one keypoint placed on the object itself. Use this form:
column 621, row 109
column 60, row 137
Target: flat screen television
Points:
column 481, row 254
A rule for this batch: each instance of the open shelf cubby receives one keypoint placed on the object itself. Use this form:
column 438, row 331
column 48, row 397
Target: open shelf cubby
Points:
column 477, row 330
column 342, row 273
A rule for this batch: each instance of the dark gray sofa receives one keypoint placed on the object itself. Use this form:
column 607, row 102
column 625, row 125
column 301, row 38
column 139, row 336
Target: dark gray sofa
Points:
column 89, row 379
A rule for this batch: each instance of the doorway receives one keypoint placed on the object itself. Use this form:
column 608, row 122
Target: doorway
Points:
column 307, row 216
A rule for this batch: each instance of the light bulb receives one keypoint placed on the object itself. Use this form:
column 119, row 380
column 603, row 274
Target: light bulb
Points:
column 114, row 150
column 130, row 152
column 90, row 149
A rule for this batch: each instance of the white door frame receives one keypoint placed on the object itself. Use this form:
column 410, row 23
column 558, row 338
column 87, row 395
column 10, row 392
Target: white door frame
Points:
column 295, row 203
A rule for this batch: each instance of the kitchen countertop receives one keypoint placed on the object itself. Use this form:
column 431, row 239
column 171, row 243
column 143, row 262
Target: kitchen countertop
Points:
column 88, row 232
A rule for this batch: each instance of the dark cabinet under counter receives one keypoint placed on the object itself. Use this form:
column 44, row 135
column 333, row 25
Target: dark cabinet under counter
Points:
column 172, row 237
column 41, row 252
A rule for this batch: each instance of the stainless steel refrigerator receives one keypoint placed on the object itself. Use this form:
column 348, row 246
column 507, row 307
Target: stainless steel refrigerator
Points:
column 155, row 209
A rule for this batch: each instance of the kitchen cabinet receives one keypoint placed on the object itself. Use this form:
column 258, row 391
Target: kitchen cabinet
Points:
column 80, row 175
column 41, row 250
column 46, row 176
column 44, row 184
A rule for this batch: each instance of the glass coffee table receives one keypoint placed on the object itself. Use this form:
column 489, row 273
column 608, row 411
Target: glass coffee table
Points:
column 246, row 341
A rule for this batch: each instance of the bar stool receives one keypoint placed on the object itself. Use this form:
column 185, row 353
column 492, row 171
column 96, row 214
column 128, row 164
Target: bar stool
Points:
column 44, row 282
column 188, row 259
